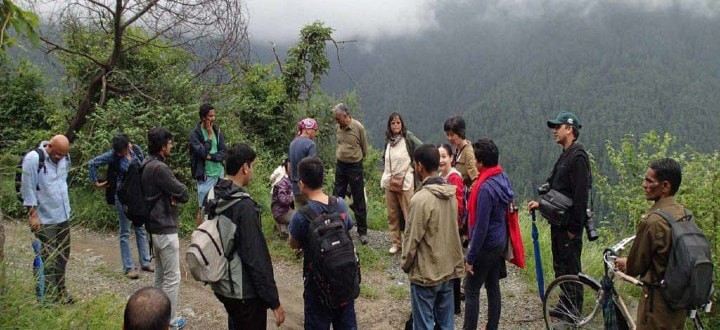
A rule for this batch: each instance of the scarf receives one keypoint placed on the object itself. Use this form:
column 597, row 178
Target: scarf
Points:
column 472, row 201
column 394, row 140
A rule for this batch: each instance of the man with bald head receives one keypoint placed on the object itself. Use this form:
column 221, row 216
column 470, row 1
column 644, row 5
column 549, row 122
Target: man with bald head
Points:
column 147, row 309
column 44, row 192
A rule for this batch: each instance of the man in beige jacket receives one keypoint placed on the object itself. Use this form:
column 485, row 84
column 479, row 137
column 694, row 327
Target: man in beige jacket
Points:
column 431, row 250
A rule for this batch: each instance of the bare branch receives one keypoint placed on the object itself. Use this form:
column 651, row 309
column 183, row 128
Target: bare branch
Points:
column 277, row 58
column 97, row 3
column 61, row 48
column 139, row 14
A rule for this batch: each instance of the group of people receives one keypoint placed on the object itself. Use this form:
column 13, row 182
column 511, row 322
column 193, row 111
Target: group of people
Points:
column 437, row 196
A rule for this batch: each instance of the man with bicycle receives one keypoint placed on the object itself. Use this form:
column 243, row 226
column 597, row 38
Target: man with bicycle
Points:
column 570, row 177
column 648, row 257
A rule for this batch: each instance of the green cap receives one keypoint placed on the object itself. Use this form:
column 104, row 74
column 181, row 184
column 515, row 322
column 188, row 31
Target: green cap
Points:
column 565, row 118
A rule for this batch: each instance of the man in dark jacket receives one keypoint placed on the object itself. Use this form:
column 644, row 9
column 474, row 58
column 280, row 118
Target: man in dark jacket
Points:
column 207, row 150
column 570, row 177
column 251, row 289
column 163, row 192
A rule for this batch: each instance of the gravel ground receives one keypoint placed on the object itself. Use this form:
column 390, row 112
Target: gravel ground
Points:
column 94, row 269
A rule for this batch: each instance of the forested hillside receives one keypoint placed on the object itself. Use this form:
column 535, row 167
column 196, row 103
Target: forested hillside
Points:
column 622, row 69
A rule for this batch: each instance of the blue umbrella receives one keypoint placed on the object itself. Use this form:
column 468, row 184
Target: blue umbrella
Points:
column 538, row 259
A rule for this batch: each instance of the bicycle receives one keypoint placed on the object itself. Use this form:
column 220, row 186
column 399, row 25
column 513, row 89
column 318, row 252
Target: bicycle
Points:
column 563, row 311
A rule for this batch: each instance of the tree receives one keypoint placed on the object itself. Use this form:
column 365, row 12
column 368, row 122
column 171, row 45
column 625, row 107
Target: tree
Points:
column 214, row 32
column 22, row 21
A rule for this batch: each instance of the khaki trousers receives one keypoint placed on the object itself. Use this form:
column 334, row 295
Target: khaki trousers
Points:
column 397, row 211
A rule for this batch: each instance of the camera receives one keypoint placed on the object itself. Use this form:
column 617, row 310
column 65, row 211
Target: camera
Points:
column 592, row 233
column 543, row 188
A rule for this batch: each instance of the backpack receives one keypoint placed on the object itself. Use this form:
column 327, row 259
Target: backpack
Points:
column 207, row 259
column 330, row 259
column 19, row 172
column 131, row 196
column 688, row 278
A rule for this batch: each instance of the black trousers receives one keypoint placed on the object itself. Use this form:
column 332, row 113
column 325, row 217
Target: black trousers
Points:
column 55, row 253
column 566, row 261
column 487, row 269
column 351, row 174
column 244, row 314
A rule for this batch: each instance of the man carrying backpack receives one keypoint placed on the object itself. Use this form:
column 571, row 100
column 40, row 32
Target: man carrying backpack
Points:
column 249, row 288
column 162, row 193
column 334, row 302
column 118, row 160
column 44, row 192
column 650, row 252
column 431, row 251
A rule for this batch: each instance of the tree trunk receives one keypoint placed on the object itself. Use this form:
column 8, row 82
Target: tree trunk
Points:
column 86, row 106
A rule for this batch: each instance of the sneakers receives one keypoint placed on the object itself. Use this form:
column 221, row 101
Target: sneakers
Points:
column 132, row 274
column 148, row 268
column 363, row 239
column 394, row 249
column 179, row 323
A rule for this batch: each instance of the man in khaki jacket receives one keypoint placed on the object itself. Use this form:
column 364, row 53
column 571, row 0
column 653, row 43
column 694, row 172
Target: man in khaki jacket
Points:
column 648, row 257
column 431, row 250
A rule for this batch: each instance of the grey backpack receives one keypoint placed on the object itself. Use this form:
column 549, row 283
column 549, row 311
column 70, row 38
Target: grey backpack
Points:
column 206, row 257
column 688, row 278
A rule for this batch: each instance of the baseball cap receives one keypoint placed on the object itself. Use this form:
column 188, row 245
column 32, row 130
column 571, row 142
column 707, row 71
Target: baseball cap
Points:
column 565, row 118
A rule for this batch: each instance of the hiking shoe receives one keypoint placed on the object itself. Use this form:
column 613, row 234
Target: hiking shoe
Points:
column 148, row 268
column 179, row 323
column 394, row 249
column 132, row 274
column 363, row 239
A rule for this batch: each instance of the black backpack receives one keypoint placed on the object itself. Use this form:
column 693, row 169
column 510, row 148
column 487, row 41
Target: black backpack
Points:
column 131, row 195
column 330, row 259
column 18, row 173
column 688, row 278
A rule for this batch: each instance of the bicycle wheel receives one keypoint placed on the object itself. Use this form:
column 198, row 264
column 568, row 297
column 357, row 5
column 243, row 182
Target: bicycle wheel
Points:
column 572, row 301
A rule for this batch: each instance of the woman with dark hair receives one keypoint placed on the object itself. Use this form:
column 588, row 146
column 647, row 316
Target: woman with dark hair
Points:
column 464, row 159
column 398, row 177
column 452, row 176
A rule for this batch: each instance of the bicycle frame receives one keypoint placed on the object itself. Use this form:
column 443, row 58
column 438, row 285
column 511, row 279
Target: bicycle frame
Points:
column 612, row 271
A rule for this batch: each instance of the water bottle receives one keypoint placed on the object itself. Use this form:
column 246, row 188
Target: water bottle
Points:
column 38, row 271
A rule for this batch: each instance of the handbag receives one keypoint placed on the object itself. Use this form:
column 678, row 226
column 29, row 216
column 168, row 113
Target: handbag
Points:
column 553, row 206
column 396, row 180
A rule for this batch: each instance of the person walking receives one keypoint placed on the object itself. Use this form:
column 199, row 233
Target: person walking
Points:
column 303, row 145
column 398, row 179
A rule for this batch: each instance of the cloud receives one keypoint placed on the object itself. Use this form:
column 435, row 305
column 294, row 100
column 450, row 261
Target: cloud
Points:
column 280, row 21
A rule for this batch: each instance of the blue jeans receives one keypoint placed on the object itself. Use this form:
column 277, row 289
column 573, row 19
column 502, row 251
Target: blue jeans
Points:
column 319, row 317
column 432, row 305
column 203, row 187
column 140, row 239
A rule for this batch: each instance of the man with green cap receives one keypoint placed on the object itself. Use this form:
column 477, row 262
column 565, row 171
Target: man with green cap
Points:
column 570, row 177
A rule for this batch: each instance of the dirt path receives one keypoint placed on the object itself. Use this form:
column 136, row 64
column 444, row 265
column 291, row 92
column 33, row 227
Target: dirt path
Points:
column 94, row 269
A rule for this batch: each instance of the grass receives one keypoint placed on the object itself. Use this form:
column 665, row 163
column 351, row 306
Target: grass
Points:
column 369, row 292
column 399, row 292
column 20, row 310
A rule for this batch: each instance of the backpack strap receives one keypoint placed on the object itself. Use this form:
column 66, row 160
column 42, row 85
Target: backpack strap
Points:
column 310, row 214
column 41, row 160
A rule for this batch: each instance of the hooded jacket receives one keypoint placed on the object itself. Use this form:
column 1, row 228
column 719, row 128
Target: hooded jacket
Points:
column 249, row 261
column 490, row 226
column 432, row 252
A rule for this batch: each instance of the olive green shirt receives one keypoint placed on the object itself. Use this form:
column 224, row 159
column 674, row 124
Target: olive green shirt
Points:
column 465, row 163
column 351, row 142
column 648, row 258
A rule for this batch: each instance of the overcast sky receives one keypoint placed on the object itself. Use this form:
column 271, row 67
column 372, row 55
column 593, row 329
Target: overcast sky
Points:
column 280, row 21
